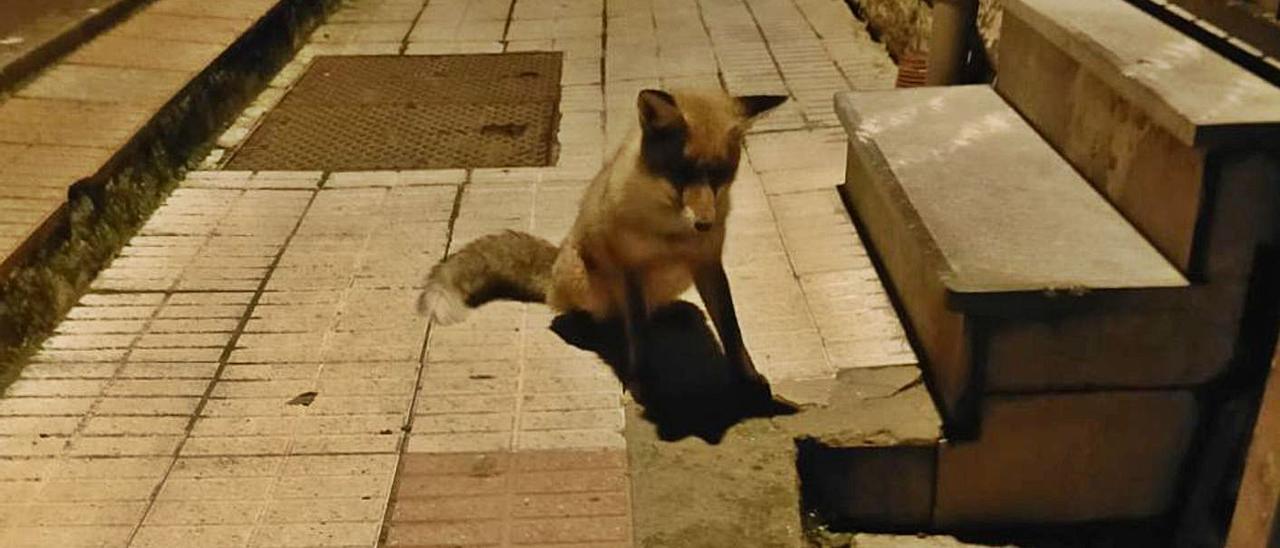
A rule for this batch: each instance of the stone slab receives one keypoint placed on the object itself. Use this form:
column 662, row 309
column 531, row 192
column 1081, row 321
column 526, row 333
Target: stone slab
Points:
column 63, row 122
column 1009, row 260
column 1191, row 91
column 1152, row 177
column 1065, row 458
column 871, row 407
column 867, row 460
column 1004, row 211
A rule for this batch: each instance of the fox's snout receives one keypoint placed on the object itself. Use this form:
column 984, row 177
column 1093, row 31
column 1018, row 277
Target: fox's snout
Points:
column 699, row 206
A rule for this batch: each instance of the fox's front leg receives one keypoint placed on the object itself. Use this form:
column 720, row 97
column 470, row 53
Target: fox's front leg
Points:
column 635, row 319
column 713, row 286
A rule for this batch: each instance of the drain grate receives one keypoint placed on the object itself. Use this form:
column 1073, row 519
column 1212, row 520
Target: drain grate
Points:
column 412, row 112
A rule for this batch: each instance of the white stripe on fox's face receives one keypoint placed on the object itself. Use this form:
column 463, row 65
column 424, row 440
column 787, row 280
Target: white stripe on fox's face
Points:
column 699, row 206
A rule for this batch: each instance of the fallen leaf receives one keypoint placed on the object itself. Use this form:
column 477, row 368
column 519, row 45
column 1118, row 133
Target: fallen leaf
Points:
column 304, row 399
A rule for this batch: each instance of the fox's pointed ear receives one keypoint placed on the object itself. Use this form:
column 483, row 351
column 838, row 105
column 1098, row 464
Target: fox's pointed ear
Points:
column 658, row 111
column 755, row 105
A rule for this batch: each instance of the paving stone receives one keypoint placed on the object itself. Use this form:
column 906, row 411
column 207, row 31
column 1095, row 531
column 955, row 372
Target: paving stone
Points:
column 362, row 32
column 248, row 10
column 114, row 50
column 595, row 400
column 570, row 439
column 148, row 387
column 45, row 406
column 147, row 406
column 202, row 512
column 135, row 425
column 97, row 84
column 121, row 446
column 449, row 424
column 604, row 419
column 459, row 442
column 817, row 232
column 70, row 370
column 382, row 442
column 69, row 536
column 477, row 533
column 397, row 179
column 238, row 445
column 73, row 514
column 192, row 535
column 251, row 426
column 568, row 481
column 20, row 490
column 317, row 534
column 215, row 488
column 97, row 490
column 466, row 404
column 81, row 342
column 324, row 510
column 50, row 121
column 60, row 387
column 168, row 370
column 440, row 495
column 43, row 426
column 571, row 505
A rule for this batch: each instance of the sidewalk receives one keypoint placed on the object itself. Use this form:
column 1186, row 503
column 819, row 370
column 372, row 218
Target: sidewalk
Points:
column 250, row 372
column 33, row 33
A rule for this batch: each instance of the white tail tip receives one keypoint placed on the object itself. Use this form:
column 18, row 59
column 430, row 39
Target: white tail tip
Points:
column 442, row 304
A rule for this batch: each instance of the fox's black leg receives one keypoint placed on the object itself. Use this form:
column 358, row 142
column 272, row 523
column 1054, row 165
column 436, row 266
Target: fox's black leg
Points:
column 713, row 286
column 635, row 318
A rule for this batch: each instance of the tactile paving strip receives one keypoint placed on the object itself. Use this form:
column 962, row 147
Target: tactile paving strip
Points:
column 352, row 113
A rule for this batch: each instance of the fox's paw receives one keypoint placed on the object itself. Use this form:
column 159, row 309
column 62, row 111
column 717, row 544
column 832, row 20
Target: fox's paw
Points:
column 442, row 304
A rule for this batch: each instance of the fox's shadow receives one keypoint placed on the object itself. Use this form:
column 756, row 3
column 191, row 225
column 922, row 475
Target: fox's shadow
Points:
column 689, row 390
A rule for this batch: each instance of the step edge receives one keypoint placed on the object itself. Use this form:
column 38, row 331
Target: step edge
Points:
column 1190, row 129
column 962, row 294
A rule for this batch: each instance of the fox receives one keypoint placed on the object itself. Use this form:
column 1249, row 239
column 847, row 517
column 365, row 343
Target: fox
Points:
column 650, row 225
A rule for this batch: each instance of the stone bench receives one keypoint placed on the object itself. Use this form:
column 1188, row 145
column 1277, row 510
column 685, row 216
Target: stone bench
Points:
column 983, row 230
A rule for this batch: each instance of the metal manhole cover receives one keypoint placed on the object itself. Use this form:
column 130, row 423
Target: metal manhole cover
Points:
column 412, row 112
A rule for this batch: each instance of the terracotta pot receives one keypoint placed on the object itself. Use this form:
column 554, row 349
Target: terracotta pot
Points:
column 913, row 68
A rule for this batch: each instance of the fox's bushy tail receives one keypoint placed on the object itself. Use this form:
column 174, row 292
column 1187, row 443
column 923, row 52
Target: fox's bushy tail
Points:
column 508, row 265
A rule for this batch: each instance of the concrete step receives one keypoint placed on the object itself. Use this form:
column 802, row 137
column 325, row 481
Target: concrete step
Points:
column 1062, row 329
column 868, row 459
column 873, row 459
column 1154, row 119
column 1179, row 139
column 1014, row 274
